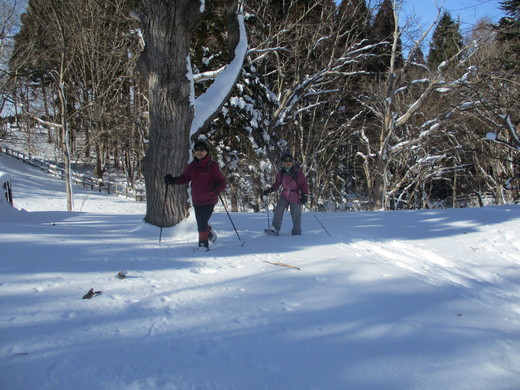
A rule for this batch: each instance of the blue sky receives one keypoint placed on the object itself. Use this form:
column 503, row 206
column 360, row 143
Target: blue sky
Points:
column 468, row 11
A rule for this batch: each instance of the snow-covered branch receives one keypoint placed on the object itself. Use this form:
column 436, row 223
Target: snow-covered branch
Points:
column 209, row 75
column 208, row 105
column 512, row 128
column 515, row 143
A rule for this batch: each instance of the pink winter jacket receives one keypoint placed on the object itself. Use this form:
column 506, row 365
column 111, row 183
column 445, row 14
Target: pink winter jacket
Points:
column 293, row 184
column 206, row 181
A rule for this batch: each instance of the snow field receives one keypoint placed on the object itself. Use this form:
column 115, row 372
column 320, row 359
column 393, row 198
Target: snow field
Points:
column 394, row 300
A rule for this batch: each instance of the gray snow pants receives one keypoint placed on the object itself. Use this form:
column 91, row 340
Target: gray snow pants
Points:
column 296, row 215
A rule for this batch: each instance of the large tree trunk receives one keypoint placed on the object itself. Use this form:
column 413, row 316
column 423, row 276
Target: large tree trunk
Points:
column 168, row 26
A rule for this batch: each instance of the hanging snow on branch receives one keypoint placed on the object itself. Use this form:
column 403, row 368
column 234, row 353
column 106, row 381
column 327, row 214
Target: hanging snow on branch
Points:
column 208, row 105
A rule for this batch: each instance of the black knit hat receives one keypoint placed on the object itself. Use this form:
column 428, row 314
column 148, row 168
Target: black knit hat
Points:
column 201, row 144
column 285, row 154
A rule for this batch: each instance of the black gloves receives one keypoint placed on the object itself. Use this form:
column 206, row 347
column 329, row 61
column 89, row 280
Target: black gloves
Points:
column 267, row 192
column 169, row 179
column 303, row 199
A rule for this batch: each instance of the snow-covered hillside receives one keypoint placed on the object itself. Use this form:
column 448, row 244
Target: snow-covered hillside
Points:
column 403, row 300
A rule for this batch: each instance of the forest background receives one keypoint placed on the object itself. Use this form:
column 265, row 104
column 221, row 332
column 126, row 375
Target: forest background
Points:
column 374, row 122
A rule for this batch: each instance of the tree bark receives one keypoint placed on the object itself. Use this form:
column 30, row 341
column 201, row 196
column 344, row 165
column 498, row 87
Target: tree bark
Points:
column 168, row 27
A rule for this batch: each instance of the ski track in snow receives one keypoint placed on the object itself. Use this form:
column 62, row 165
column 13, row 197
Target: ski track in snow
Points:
column 439, row 268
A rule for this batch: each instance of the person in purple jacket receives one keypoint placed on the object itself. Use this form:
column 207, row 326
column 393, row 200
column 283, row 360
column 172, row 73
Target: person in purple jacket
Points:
column 207, row 181
column 294, row 193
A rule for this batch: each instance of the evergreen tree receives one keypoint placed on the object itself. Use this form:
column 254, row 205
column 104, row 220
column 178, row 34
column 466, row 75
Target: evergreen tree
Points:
column 508, row 29
column 446, row 42
column 383, row 29
column 353, row 20
column 238, row 131
column 512, row 8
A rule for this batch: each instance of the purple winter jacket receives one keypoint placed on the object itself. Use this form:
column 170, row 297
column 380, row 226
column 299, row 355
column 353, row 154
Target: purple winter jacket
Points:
column 206, row 181
column 294, row 184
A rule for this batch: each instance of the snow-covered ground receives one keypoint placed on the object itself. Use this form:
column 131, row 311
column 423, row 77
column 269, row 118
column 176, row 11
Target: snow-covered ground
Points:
column 402, row 300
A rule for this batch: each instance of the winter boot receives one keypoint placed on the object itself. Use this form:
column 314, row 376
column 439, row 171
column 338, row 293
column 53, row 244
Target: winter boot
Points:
column 212, row 235
column 203, row 241
column 203, row 246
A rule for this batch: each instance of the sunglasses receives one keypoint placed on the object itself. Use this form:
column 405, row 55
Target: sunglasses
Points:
column 287, row 160
column 199, row 149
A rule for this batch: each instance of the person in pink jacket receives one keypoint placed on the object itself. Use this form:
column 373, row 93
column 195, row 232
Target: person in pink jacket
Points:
column 295, row 188
column 207, row 181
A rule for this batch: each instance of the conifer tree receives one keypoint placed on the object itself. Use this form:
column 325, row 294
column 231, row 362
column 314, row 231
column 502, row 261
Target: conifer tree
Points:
column 509, row 31
column 354, row 17
column 238, row 131
column 382, row 30
column 446, row 42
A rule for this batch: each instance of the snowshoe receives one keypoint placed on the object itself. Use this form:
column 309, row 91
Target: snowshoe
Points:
column 272, row 231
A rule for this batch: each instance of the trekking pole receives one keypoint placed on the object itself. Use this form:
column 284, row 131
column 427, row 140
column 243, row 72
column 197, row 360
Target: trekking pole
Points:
column 229, row 216
column 267, row 206
column 314, row 215
column 164, row 212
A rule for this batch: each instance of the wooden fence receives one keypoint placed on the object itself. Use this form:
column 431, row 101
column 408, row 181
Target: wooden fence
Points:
column 79, row 179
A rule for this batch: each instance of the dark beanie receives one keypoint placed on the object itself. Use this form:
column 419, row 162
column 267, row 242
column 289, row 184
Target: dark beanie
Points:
column 285, row 155
column 201, row 143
